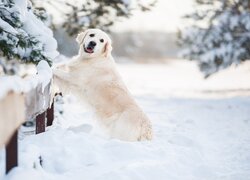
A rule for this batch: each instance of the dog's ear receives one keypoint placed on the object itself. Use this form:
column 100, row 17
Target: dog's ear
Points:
column 80, row 37
column 107, row 48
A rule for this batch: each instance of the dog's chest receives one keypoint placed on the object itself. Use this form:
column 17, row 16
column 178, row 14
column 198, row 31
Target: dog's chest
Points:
column 91, row 76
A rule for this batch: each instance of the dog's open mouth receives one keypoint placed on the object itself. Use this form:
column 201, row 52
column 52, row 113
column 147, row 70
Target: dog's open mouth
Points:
column 89, row 49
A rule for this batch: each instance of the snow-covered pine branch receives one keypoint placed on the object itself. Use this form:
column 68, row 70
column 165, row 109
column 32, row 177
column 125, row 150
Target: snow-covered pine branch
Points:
column 218, row 34
column 23, row 35
column 74, row 17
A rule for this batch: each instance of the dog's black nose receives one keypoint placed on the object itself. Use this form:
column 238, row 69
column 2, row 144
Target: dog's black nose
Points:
column 92, row 43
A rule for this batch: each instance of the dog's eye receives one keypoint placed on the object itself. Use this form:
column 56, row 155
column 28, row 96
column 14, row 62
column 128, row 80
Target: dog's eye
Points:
column 92, row 35
column 101, row 40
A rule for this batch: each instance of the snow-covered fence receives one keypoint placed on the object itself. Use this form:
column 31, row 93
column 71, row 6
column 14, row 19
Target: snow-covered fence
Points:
column 21, row 100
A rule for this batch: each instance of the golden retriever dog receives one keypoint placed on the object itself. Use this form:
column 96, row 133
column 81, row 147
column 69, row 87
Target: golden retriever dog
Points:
column 92, row 76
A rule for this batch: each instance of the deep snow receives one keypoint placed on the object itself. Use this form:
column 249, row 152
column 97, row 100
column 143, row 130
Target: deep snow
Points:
column 201, row 132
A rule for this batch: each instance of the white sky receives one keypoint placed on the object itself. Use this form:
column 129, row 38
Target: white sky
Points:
column 165, row 16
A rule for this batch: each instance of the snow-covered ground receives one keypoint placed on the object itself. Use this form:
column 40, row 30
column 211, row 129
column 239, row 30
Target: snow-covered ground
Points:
column 201, row 132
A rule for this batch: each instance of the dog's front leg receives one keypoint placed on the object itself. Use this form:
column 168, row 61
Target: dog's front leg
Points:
column 62, row 75
column 62, row 80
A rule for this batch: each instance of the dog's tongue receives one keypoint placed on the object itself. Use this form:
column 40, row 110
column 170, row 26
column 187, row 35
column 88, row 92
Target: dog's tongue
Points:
column 89, row 50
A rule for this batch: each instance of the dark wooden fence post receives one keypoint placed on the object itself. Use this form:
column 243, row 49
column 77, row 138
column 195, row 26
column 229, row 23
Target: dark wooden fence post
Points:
column 50, row 114
column 40, row 123
column 11, row 153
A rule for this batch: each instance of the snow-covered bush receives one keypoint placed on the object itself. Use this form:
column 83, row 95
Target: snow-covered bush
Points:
column 23, row 35
column 218, row 34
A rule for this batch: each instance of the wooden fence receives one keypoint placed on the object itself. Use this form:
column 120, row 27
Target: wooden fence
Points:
column 17, row 107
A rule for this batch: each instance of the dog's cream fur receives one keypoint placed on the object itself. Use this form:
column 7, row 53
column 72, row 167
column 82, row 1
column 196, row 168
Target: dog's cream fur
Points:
column 93, row 78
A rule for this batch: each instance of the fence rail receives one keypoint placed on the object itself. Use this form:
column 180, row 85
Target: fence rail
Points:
column 18, row 107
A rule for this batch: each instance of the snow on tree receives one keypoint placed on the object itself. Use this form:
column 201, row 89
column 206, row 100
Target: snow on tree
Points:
column 78, row 15
column 23, row 35
column 218, row 34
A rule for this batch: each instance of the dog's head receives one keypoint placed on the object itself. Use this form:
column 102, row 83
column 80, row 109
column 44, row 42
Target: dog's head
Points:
column 94, row 43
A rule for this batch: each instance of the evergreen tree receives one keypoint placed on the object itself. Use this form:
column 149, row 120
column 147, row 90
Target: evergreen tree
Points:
column 218, row 34
column 23, row 35
column 78, row 15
